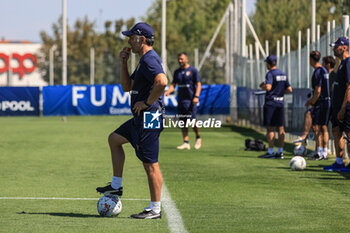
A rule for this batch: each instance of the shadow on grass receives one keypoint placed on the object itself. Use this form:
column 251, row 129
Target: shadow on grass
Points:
column 253, row 134
column 334, row 174
column 346, row 175
column 71, row 215
column 305, row 170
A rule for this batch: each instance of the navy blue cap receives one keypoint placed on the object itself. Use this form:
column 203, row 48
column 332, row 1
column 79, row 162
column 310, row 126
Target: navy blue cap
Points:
column 141, row 29
column 271, row 59
column 341, row 41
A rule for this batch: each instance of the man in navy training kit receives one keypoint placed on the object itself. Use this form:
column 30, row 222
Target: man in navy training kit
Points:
column 188, row 81
column 321, row 105
column 341, row 104
column 146, row 86
column 275, row 85
column 328, row 62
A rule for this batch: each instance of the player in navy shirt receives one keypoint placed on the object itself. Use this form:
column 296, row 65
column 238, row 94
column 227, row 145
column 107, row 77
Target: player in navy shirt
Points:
column 276, row 85
column 321, row 105
column 189, row 88
column 341, row 103
column 146, row 86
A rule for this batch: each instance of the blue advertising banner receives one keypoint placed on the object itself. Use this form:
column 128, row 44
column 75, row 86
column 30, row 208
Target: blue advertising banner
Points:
column 214, row 99
column 85, row 100
column 111, row 100
column 19, row 101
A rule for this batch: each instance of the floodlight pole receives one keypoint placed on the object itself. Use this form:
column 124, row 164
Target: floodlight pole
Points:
column 196, row 58
column 313, row 25
column 299, row 59
column 243, row 29
column 307, row 57
column 164, row 57
column 345, row 25
column 64, row 42
column 51, row 55
column 92, row 66
column 64, row 46
column 328, row 38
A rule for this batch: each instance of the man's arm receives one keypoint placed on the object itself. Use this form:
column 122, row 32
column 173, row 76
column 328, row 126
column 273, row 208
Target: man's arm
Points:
column 316, row 95
column 198, row 92
column 160, row 82
column 265, row 87
column 170, row 89
column 288, row 90
column 126, row 81
column 341, row 113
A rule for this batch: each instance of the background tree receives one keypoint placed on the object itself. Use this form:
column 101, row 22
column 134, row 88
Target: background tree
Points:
column 275, row 18
column 80, row 39
column 191, row 24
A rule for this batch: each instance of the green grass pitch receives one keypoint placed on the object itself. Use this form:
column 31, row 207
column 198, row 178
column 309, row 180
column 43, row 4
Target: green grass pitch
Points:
column 219, row 188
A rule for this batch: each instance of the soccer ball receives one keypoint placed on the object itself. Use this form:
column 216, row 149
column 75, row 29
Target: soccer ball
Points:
column 109, row 206
column 297, row 163
column 300, row 150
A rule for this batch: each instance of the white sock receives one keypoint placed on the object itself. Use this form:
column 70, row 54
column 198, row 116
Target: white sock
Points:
column 339, row 160
column 319, row 150
column 270, row 151
column 116, row 182
column 155, row 206
column 280, row 150
column 325, row 152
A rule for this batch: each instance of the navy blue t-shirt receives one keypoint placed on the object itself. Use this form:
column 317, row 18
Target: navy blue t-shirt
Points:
column 340, row 84
column 186, row 80
column 279, row 81
column 149, row 67
column 320, row 78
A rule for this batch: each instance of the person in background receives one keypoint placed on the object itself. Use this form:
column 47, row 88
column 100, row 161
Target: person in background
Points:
column 341, row 104
column 276, row 85
column 328, row 62
column 188, row 81
column 321, row 105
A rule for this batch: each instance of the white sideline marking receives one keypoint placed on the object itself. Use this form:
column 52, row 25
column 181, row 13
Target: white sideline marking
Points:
column 66, row 198
column 173, row 215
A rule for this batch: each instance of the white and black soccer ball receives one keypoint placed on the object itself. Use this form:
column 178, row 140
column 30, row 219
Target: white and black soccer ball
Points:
column 109, row 206
column 299, row 150
column 297, row 163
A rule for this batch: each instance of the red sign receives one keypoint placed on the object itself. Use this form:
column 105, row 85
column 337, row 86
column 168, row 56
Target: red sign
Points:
column 21, row 69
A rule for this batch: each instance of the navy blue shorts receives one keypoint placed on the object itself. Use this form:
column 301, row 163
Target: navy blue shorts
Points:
column 321, row 113
column 345, row 125
column 187, row 110
column 273, row 116
column 144, row 141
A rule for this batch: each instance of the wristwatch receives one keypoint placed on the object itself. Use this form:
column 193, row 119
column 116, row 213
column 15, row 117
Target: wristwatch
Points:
column 148, row 105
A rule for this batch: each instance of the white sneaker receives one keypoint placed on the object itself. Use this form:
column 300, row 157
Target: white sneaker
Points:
column 300, row 140
column 184, row 146
column 198, row 144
